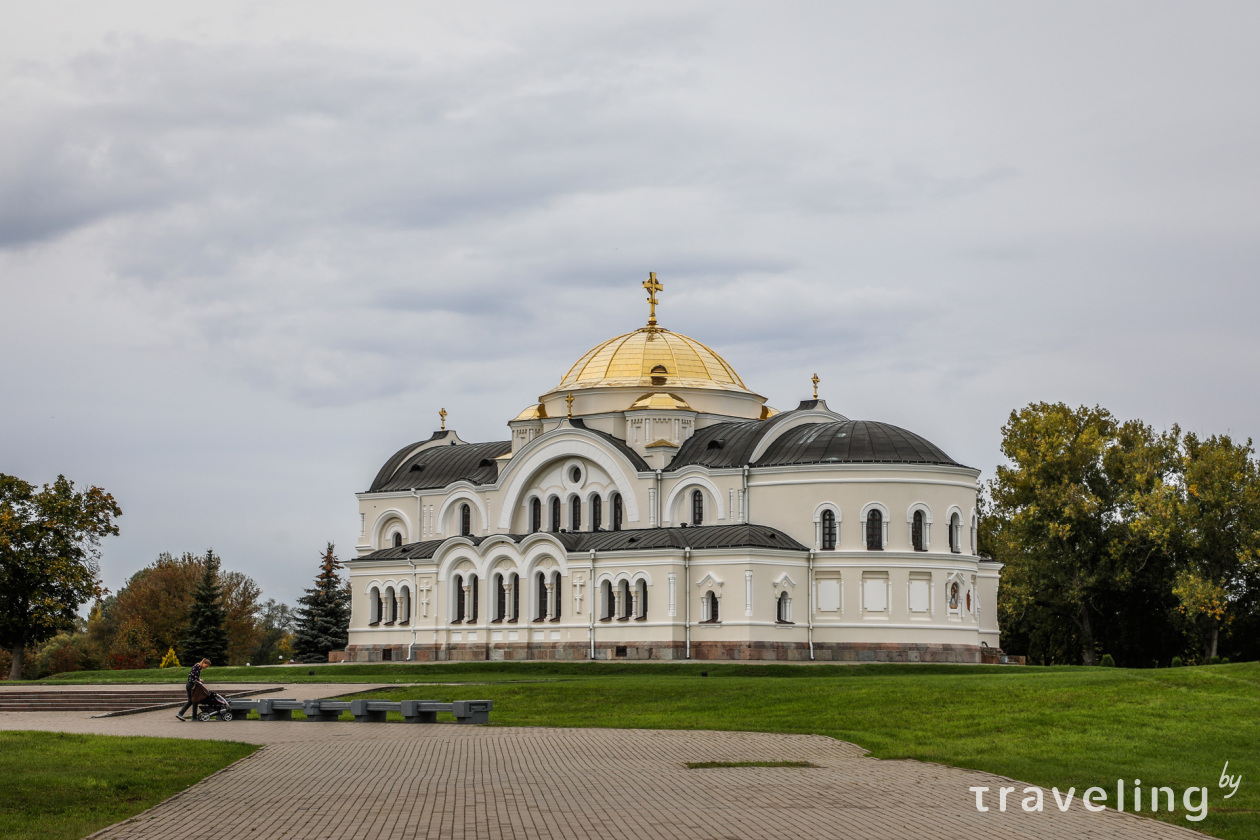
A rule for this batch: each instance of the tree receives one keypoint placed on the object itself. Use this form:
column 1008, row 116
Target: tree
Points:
column 240, row 606
column 132, row 647
column 1077, row 572
column 323, row 617
column 1211, row 520
column 207, row 621
column 49, row 558
column 277, row 627
column 160, row 596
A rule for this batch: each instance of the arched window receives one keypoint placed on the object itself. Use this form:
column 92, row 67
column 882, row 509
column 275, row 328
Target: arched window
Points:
column 954, row 527
column 875, row 531
column 404, row 605
column 828, row 530
column 697, row 508
column 606, row 601
column 641, row 586
column 783, row 612
column 500, row 598
column 397, row 540
column 711, row 615
column 575, row 514
column 623, row 589
column 516, row 598
column 597, row 513
column 617, row 511
column 472, row 598
column 374, row 606
column 555, row 596
column 461, row 600
column 391, row 606
column 535, row 515
column 465, row 520
column 916, row 532
column 555, row 515
column 540, row 582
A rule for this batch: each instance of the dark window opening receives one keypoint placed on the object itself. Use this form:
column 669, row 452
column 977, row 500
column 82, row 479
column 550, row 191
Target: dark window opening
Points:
column 387, row 655
column 619, row 651
column 460, row 600
column 783, row 613
column 829, row 530
column 875, row 531
column 954, row 528
column 597, row 513
column 397, row 540
column 555, row 596
column 535, row 515
column 697, row 507
column 575, row 514
column 542, row 597
column 711, row 601
column 465, row 520
column 916, row 532
column 616, row 512
column 555, row 516
column 472, row 590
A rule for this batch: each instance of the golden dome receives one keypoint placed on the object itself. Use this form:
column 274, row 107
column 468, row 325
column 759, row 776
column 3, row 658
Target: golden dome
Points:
column 652, row 357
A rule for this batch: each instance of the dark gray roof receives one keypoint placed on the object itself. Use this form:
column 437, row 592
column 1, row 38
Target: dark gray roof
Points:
column 640, row 539
column 836, row 441
column 852, row 442
column 440, row 465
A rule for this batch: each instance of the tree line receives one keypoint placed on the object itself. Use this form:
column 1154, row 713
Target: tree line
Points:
column 1119, row 540
column 175, row 610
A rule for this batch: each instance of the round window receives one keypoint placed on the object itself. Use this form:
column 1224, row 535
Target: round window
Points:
column 575, row 475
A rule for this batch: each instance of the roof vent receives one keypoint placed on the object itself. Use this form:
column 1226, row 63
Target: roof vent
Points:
column 659, row 369
column 486, row 462
column 417, row 467
column 717, row 443
column 633, row 539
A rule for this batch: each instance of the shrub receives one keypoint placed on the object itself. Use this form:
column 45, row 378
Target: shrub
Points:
column 1215, row 660
column 1175, row 663
column 1107, row 661
column 170, row 660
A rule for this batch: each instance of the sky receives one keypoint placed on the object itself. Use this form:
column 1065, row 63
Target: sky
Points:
column 249, row 250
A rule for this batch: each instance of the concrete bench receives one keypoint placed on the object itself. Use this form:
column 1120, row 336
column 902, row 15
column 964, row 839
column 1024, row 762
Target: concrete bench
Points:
column 372, row 711
column 364, row 711
column 472, row 711
column 324, row 710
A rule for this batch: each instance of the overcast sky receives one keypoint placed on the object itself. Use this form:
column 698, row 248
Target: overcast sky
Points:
column 247, row 253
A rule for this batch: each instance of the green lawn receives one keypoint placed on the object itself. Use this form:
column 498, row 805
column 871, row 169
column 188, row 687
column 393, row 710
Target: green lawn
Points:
column 1059, row 727
column 59, row 786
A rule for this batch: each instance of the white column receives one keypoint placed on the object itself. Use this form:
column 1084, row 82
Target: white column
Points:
column 748, row 592
column 673, row 595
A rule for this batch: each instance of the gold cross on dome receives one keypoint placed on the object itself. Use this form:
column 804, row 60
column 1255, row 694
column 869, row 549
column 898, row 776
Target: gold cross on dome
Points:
column 815, row 380
column 442, row 414
column 569, row 400
column 653, row 286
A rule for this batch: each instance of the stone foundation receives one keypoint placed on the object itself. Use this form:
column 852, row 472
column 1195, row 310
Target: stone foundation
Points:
column 700, row 651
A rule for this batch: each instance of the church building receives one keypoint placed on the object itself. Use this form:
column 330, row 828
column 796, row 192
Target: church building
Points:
column 651, row 506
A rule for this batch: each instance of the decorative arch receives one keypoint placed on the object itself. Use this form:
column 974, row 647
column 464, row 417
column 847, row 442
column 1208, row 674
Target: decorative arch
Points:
column 462, row 494
column 954, row 530
column 683, row 489
column 570, row 443
column 834, row 510
column 879, row 506
column 384, row 527
column 923, row 510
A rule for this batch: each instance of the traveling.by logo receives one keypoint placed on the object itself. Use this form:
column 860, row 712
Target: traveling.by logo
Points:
column 1194, row 800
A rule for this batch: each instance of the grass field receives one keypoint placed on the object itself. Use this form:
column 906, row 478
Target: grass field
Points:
column 58, row 786
column 1064, row 727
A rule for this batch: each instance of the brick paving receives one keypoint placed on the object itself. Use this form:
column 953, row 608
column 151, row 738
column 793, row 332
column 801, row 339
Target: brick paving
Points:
column 318, row 781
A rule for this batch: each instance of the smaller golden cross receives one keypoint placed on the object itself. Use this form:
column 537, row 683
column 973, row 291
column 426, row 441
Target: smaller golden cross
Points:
column 653, row 286
column 442, row 414
column 569, row 400
column 815, row 380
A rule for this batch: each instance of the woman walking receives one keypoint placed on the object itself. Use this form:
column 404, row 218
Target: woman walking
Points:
column 194, row 680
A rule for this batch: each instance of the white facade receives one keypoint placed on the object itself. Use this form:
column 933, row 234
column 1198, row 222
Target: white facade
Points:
column 693, row 521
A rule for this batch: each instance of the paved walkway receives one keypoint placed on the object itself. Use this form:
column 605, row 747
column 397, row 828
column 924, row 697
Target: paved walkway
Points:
column 317, row 781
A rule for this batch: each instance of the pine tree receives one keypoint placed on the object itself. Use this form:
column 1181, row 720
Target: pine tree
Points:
column 207, row 621
column 323, row 614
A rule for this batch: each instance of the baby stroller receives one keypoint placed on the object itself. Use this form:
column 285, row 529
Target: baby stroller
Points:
column 211, row 704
